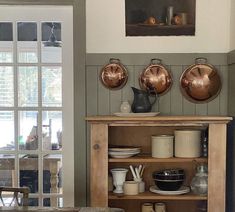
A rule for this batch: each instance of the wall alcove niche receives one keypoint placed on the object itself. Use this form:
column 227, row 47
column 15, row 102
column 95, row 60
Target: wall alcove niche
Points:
column 160, row 17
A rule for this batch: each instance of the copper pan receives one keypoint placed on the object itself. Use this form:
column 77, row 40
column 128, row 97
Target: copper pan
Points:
column 114, row 75
column 155, row 78
column 200, row 83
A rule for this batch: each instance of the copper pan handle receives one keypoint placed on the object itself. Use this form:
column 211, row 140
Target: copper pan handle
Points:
column 201, row 60
column 159, row 61
column 114, row 60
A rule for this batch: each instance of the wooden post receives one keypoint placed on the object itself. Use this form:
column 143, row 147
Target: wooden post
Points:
column 99, row 165
column 217, row 168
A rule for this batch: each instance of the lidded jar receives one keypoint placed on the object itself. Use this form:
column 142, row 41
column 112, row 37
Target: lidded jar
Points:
column 125, row 107
column 199, row 184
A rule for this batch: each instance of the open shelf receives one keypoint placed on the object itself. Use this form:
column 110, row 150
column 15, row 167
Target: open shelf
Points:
column 149, row 159
column 152, row 196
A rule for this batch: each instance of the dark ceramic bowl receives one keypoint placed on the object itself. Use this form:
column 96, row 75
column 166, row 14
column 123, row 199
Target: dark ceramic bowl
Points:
column 170, row 177
column 168, row 185
column 169, row 174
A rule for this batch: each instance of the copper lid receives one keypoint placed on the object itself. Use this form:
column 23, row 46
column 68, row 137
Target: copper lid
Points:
column 114, row 75
column 155, row 78
column 200, row 82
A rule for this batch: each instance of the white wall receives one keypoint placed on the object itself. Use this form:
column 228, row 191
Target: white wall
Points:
column 232, row 26
column 106, row 30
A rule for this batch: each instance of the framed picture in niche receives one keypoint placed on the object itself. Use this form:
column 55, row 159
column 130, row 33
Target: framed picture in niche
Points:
column 160, row 17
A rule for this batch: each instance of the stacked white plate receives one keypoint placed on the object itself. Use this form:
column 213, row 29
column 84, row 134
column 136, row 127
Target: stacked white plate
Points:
column 182, row 190
column 123, row 152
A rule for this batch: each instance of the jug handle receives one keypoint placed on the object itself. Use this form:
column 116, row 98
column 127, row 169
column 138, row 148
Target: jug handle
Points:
column 155, row 96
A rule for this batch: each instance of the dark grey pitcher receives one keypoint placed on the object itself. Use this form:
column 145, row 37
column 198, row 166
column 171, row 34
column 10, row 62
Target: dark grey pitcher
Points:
column 141, row 102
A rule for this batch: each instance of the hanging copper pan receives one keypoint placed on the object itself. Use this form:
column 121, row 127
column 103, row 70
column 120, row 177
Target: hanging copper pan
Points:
column 114, row 75
column 155, row 78
column 200, row 83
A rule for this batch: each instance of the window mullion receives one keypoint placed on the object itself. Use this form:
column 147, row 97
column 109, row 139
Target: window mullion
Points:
column 40, row 150
column 16, row 123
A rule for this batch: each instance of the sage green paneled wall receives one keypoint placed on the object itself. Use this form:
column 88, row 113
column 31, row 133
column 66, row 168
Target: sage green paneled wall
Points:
column 231, row 83
column 102, row 101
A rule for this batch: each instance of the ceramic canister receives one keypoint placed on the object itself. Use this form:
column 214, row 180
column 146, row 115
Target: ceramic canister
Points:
column 187, row 143
column 162, row 146
column 131, row 188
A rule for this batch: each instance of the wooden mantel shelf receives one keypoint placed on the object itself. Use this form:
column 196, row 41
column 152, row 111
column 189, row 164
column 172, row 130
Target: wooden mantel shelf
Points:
column 160, row 119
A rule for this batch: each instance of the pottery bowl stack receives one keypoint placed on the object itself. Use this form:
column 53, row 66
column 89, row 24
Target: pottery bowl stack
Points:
column 169, row 179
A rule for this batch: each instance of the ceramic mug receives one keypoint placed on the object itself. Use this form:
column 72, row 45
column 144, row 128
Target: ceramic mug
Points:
column 160, row 207
column 147, row 207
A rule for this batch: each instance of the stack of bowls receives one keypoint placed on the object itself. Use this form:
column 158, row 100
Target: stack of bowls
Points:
column 169, row 179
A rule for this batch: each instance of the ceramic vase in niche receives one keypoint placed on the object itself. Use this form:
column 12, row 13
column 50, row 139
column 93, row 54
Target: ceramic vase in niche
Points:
column 119, row 177
column 199, row 184
column 125, row 107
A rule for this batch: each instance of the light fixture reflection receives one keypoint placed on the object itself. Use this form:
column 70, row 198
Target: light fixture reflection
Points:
column 52, row 41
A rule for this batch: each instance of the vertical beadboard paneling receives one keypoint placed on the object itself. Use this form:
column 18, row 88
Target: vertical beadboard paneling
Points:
column 127, row 94
column 103, row 98
column 115, row 101
column 201, row 109
column 214, row 105
column 224, row 91
column 189, row 108
column 91, row 90
column 165, row 100
column 165, row 103
column 231, row 87
column 138, row 71
column 176, row 96
column 103, row 101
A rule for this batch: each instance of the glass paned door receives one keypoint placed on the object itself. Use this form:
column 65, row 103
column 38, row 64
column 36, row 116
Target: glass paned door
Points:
column 34, row 58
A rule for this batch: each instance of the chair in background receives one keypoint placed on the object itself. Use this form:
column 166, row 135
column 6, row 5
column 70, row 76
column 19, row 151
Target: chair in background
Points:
column 14, row 196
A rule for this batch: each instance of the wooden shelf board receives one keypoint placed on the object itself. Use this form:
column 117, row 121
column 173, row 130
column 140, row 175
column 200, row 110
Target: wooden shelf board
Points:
column 149, row 159
column 152, row 196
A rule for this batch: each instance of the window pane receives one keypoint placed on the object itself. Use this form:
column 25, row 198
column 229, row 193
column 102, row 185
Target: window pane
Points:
column 51, row 42
column 7, row 130
column 28, row 86
column 6, row 31
column 33, row 201
column 7, row 168
column 52, row 130
column 27, row 31
column 56, row 202
column 6, row 86
column 52, row 174
column 6, row 52
column 27, row 52
column 27, row 42
column 51, row 86
column 28, row 165
column 28, row 131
